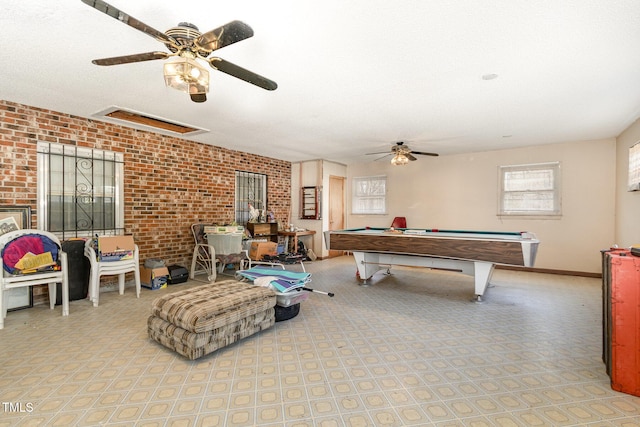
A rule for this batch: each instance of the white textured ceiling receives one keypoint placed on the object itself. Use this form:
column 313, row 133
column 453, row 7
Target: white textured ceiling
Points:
column 354, row 76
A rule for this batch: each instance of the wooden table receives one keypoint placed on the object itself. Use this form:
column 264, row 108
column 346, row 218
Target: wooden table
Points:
column 295, row 235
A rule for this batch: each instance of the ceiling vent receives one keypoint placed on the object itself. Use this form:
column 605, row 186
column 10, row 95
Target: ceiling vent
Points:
column 143, row 121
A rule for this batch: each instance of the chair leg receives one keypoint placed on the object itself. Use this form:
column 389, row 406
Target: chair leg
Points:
column 53, row 290
column 136, row 274
column 121, row 283
column 194, row 259
column 3, row 310
column 212, row 267
column 202, row 261
column 65, row 297
column 65, row 285
column 90, row 287
column 96, row 288
column 213, row 275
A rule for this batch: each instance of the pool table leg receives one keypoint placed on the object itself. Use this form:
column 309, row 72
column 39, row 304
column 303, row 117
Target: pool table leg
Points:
column 482, row 275
column 368, row 264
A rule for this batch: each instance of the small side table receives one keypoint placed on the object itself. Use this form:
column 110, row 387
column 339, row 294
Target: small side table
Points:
column 295, row 235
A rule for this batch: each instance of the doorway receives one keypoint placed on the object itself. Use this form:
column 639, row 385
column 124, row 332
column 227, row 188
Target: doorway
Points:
column 336, row 207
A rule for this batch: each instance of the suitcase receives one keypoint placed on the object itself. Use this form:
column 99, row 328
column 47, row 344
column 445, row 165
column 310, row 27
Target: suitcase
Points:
column 177, row 274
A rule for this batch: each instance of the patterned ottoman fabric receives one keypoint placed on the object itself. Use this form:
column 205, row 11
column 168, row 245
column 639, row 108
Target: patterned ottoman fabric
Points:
column 195, row 345
column 197, row 321
column 212, row 306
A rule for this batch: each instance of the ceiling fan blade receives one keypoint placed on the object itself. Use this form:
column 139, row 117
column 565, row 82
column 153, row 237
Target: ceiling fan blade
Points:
column 127, row 59
column 424, row 154
column 230, row 33
column 380, row 152
column 410, row 157
column 198, row 97
column 383, row 157
column 116, row 13
column 242, row 74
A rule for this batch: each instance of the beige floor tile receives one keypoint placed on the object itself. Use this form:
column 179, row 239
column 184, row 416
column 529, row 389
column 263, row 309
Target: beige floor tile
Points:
column 410, row 349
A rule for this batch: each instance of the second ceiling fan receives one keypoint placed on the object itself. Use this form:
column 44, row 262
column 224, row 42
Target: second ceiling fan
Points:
column 187, row 44
column 402, row 154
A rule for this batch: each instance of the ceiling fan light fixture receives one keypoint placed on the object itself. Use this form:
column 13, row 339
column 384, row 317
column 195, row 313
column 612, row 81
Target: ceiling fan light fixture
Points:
column 186, row 75
column 399, row 159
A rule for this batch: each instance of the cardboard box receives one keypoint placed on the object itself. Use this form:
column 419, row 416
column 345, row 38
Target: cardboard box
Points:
column 154, row 278
column 115, row 248
column 259, row 249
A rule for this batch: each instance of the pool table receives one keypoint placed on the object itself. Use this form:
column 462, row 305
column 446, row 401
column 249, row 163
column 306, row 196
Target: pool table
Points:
column 474, row 253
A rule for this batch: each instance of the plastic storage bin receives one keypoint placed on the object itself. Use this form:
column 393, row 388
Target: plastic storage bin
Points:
column 287, row 299
column 225, row 244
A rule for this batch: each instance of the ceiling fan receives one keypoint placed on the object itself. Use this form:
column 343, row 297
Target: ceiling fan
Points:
column 187, row 44
column 402, row 154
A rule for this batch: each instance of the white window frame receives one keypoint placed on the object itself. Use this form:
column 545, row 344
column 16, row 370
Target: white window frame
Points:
column 537, row 187
column 111, row 186
column 369, row 195
column 634, row 167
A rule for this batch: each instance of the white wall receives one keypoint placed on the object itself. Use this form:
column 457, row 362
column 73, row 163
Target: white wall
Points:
column 627, row 228
column 314, row 173
column 461, row 192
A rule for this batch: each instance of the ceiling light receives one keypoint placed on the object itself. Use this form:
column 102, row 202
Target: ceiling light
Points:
column 399, row 159
column 186, row 75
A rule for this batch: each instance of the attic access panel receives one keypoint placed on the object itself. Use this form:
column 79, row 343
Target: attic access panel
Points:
column 143, row 121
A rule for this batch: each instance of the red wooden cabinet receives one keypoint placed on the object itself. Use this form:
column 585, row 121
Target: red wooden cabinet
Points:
column 621, row 319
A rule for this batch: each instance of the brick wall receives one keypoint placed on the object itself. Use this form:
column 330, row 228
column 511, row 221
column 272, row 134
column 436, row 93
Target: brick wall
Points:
column 170, row 183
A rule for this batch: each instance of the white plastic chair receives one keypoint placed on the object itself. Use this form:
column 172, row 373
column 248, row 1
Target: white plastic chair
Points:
column 110, row 268
column 9, row 281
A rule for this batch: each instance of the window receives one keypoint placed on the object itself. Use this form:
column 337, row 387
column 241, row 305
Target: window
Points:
column 251, row 188
column 369, row 195
column 80, row 190
column 634, row 167
column 530, row 189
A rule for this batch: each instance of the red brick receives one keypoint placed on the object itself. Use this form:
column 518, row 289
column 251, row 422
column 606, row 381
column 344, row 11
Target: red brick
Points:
column 170, row 183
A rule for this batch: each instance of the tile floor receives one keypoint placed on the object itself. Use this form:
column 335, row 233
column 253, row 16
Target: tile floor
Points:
column 411, row 349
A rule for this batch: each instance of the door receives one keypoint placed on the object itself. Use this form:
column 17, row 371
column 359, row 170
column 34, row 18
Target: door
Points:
column 336, row 207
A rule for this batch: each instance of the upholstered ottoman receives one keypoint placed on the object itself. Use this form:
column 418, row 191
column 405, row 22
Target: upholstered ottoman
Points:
column 197, row 321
